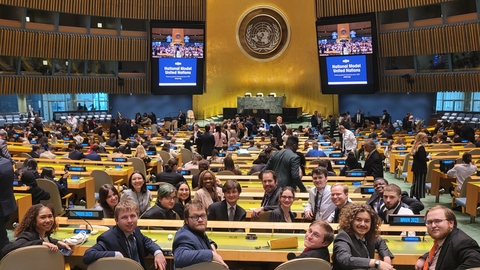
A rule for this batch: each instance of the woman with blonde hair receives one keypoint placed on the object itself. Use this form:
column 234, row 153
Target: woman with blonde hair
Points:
column 419, row 166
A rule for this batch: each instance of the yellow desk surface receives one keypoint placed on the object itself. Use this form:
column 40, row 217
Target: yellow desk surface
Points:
column 473, row 191
column 86, row 187
column 233, row 246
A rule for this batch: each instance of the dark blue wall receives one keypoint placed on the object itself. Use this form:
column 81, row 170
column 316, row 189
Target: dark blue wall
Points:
column 419, row 105
column 160, row 105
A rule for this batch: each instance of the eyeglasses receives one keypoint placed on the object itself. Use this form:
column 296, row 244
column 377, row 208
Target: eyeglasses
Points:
column 196, row 217
column 435, row 221
column 170, row 198
column 287, row 197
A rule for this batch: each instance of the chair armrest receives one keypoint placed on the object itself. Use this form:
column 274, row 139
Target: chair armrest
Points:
column 455, row 184
column 66, row 197
column 67, row 266
column 118, row 183
column 149, row 170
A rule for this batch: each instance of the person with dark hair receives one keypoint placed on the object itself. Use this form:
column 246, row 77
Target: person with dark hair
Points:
column 125, row 240
column 94, row 155
column 137, row 192
column 270, row 200
column 163, row 208
column 108, row 198
column 229, row 165
column 357, row 239
column 169, row 174
column 351, row 163
column 284, row 211
column 315, row 152
column 8, row 204
column 76, row 152
column 184, row 196
column 112, row 141
column 319, row 206
column 261, row 162
column 349, row 142
column 203, row 165
column 191, row 245
column 462, row 172
column 277, row 131
column 29, row 164
column 373, row 163
column 62, row 184
column 208, row 191
column 327, row 165
column 38, row 193
column 206, row 142
column 220, row 138
column 124, row 128
column 36, row 228
column 228, row 209
column 286, row 164
column 376, row 199
column 452, row 248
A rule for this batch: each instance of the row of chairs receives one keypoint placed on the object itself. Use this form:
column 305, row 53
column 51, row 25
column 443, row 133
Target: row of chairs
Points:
column 102, row 117
column 40, row 258
column 461, row 117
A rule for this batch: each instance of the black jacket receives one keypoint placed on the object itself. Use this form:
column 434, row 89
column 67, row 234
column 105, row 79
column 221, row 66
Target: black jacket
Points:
column 7, row 199
column 373, row 165
column 26, row 239
column 420, row 159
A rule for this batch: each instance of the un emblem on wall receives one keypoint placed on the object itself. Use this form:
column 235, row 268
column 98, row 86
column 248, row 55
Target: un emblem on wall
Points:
column 263, row 33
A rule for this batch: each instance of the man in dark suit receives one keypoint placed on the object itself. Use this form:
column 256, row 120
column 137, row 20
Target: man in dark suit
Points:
column 228, row 209
column 125, row 240
column 373, row 164
column 35, row 153
column 386, row 118
column 466, row 132
column 358, row 119
column 286, row 164
column 333, row 125
column 76, row 153
column 196, row 137
column 405, row 121
column 277, row 131
column 3, row 146
column 315, row 120
column 182, row 119
column 452, row 249
column 94, row 155
column 207, row 142
column 7, row 199
column 270, row 200
column 124, row 129
column 191, row 245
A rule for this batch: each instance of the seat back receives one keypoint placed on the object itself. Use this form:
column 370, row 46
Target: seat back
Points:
column 305, row 263
column 430, row 168
column 25, row 155
column 463, row 190
column 55, row 199
column 225, row 173
column 203, row 266
column 187, row 155
column 474, row 152
column 100, row 178
column 194, row 171
column 441, row 146
column 453, row 153
column 115, row 263
column 138, row 165
column 164, row 155
column 33, row 257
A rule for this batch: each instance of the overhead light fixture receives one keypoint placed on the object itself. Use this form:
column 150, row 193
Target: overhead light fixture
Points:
column 99, row 25
column 45, row 62
column 66, row 63
column 27, row 19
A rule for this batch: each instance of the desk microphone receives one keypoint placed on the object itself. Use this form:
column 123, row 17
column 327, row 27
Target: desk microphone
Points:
column 92, row 232
column 291, row 256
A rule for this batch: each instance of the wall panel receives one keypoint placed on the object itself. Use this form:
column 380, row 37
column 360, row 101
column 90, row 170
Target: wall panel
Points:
column 431, row 83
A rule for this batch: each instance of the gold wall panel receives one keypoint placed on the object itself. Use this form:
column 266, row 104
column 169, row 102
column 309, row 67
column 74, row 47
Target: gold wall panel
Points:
column 191, row 10
column 431, row 83
column 230, row 73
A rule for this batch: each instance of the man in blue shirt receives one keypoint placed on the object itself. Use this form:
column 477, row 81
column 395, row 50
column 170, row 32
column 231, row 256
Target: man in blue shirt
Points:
column 315, row 152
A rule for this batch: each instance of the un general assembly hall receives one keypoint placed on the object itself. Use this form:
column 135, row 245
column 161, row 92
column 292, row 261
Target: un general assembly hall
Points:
column 221, row 134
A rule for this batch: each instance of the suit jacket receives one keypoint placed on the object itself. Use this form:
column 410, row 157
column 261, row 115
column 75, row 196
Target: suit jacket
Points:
column 459, row 251
column 4, row 150
column 320, row 253
column 273, row 201
column 7, row 199
column 314, row 121
column 420, row 159
column 76, row 155
column 115, row 240
column 373, row 165
column 348, row 252
column 191, row 248
column 387, row 119
column 207, row 141
column 277, row 133
column 25, row 239
column 93, row 156
column 219, row 211
column 286, row 165
column 355, row 120
column 124, row 130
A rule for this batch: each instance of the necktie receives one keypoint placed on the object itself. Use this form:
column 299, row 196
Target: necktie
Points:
column 318, row 202
column 266, row 199
column 363, row 244
column 431, row 254
column 231, row 213
column 132, row 246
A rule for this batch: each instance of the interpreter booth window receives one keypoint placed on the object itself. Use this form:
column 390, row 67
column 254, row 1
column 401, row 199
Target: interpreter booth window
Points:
column 101, row 68
column 399, row 63
column 450, row 101
column 91, row 102
column 475, row 104
column 432, row 63
column 466, row 61
column 77, row 68
column 8, row 65
column 36, row 66
column 61, row 67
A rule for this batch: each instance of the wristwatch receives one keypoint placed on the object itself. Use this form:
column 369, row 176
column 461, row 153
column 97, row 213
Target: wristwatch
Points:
column 377, row 263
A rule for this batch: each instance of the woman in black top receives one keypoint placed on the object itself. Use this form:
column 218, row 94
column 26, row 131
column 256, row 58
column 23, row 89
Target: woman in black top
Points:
column 163, row 208
column 169, row 174
column 184, row 196
column 37, row 192
column 351, row 163
column 229, row 165
column 49, row 173
column 284, row 212
column 419, row 166
column 35, row 229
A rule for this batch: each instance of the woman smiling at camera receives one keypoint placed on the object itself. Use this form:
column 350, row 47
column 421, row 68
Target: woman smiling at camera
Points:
column 108, row 199
column 184, row 196
column 208, row 191
column 35, row 229
column 137, row 192
column 357, row 239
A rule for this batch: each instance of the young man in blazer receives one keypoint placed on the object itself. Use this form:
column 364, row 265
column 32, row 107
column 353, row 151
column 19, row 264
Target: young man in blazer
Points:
column 125, row 240
column 228, row 209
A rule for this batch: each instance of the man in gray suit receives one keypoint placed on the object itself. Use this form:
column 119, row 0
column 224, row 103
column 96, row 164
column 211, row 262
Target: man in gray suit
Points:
column 286, row 165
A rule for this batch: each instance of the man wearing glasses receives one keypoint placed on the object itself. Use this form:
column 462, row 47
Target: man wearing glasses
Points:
column 191, row 245
column 452, row 249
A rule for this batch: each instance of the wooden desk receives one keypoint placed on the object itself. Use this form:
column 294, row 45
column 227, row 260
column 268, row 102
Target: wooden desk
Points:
column 24, row 202
column 473, row 190
column 440, row 179
column 16, row 150
column 83, row 186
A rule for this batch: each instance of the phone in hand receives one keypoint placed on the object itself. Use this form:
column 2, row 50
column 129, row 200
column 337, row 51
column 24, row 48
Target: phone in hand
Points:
column 66, row 252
